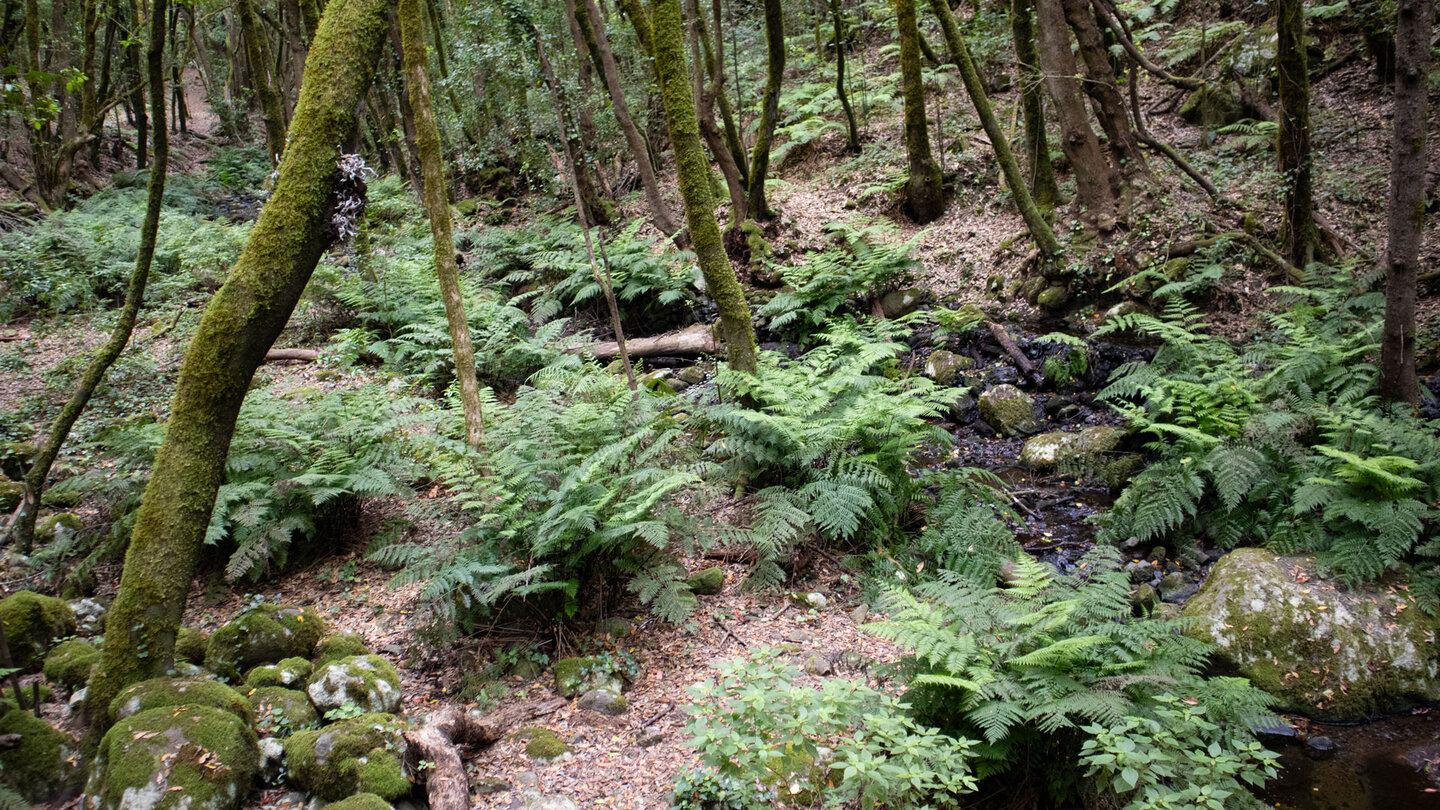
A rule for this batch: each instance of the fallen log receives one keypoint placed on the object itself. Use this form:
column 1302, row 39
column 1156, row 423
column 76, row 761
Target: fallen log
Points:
column 437, row 742
column 1008, row 344
column 697, row 339
column 303, row 355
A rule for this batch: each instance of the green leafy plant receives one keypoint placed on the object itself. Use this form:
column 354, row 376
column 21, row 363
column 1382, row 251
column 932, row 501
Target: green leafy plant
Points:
column 849, row 277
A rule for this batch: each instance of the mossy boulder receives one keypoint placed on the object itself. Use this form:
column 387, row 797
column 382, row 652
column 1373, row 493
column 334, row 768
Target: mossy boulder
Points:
column 291, row 673
column 357, row 755
column 16, row 458
column 945, row 366
column 899, row 303
column 543, row 744
column 263, row 635
column 1322, row 649
column 38, row 767
column 708, row 582
column 10, row 494
column 190, row 645
column 159, row 692
column 362, row 801
column 280, row 712
column 60, row 524
column 32, row 624
column 70, row 662
column 340, row 645
column 576, row 675
column 174, row 758
column 1053, row 297
column 365, row 681
column 1009, row 410
column 1085, row 447
column 1213, row 106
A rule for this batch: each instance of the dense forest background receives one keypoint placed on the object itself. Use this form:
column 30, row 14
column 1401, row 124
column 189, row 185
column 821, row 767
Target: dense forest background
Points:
column 741, row 403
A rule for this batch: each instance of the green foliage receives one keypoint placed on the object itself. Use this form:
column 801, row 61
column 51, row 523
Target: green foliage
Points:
column 239, row 168
column 836, row 743
column 1251, row 136
column 848, row 277
column 1040, row 665
column 1283, row 444
column 707, row 789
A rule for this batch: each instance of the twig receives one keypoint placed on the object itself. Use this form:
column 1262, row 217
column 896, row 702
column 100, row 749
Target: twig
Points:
column 669, row 705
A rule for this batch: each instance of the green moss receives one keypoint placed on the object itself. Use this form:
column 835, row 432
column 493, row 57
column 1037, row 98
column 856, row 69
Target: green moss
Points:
column 174, row 758
column 37, row 767
column 328, row 762
column 708, row 582
column 27, row 692
column 340, row 645
column 1053, row 297
column 280, row 712
column 70, row 663
column 1008, row 409
column 190, row 645
column 32, row 624
column 1084, row 447
column 367, row 681
column 263, row 635
column 158, row 692
column 572, row 674
column 61, row 498
column 924, row 194
column 290, row 672
column 68, row 521
column 543, row 744
column 10, row 494
column 361, row 801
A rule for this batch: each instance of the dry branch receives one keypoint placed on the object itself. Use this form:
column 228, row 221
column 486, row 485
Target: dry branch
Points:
column 303, row 355
column 1008, row 344
column 697, row 339
column 438, row 742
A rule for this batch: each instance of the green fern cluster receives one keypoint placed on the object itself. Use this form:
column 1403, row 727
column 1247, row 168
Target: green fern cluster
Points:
column 1282, row 444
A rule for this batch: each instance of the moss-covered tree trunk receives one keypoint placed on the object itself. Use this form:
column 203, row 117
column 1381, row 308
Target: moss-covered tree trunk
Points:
column 769, row 110
column 137, row 90
column 437, row 209
column 1407, row 200
column 960, row 55
column 694, row 175
column 852, row 133
column 1095, row 184
column 592, row 25
column 1103, row 89
column 22, row 523
column 239, row 325
column 708, row 93
column 1300, row 234
column 924, row 191
column 257, row 55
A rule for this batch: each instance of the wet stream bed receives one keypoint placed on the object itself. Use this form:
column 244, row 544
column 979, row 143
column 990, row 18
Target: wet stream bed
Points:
column 1390, row 764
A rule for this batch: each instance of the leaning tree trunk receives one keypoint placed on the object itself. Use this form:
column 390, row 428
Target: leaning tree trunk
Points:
column 1095, row 184
column 1103, row 90
column 592, row 24
column 297, row 225
column 694, row 173
column 960, row 55
column 1407, row 200
column 770, row 109
column 707, row 95
column 851, row 131
column 1300, row 234
column 437, row 209
column 924, row 192
column 22, row 523
column 258, row 56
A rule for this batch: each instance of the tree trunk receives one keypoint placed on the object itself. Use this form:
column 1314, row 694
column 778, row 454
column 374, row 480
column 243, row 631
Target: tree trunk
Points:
column 770, row 111
column 734, row 178
column 585, row 180
column 437, row 209
column 715, row 67
column 924, row 192
column 1095, row 184
column 1299, row 233
column 594, row 23
column 585, row 70
column 137, row 92
column 1407, row 200
column 960, row 55
column 257, row 54
column 694, row 174
column 240, row 323
column 1103, row 89
column 852, row 132
column 22, row 523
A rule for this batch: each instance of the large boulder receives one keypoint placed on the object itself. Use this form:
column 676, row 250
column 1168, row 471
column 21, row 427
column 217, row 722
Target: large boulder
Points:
column 160, row 692
column 367, row 682
column 280, row 712
column 340, row 645
column 70, row 663
column 32, row 624
column 291, row 673
column 10, row 494
column 174, row 758
column 1049, row 450
column 263, row 635
column 37, row 767
column 357, row 755
column 1009, row 410
column 190, row 645
column 1322, row 649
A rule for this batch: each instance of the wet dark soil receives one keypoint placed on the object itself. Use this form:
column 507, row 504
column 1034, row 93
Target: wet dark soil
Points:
column 1391, row 764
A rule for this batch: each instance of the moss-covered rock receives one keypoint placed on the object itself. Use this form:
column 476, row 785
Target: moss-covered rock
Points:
column 1049, row 450
column 10, row 494
column 158, row 692
column 576, row 675
column 1322, row 649
column 543, row 744
column 280, row 712
column 27, row 694
column 53, row 527
column 1009, row 410
column 899, row 303
column 16, row 458
column 174, row 758
column 362, row 801
column 32, row 624
column 190, row 645
column 291, row 673
column 37, row 768
column 1212, row 106
column 945, row 366
column 263, row 635
column 1053, row 297
column 368, row 682
column 708, row 582
column 340, row 645
column 70, row 662
column 357, row 755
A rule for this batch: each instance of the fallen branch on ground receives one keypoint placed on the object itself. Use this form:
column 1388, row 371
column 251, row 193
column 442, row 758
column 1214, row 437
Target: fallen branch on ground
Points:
column 303, row 355
column 697, row 339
